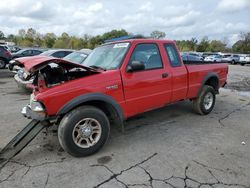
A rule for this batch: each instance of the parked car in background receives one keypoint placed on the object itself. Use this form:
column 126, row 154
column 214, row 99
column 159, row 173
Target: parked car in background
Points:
column 196, row 54
column 231, row 58
column 5, row 46
column 27, row 52
column 59, row 53
column 214, row 58
column 5, row 57
column 245, row 60
column 77, row 56
column 14, row 49
column 206, row 54
column 191, row 58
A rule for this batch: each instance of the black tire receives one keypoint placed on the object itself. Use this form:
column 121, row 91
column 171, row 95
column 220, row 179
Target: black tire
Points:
column 242, row 64
column 70, row 121
column 2, row 63
column 199, row 104
column 233, row 62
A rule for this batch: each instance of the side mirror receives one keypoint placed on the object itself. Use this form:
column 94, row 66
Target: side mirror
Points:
column 135, row 66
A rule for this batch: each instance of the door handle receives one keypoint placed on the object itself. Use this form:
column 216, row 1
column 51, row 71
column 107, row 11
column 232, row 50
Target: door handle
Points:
column 164, row 75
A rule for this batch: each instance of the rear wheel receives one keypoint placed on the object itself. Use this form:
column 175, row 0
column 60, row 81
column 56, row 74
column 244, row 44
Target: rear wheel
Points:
column 242, row 64
column 204, row 104
column 2, row 63
column 233, row 62
column 83, row 131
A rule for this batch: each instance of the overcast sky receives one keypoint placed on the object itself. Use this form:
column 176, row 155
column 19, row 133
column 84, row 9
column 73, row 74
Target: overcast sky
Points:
column 180, row 19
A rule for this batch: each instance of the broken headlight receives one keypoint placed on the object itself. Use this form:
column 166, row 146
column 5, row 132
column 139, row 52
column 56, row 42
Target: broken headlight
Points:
column 36, row 106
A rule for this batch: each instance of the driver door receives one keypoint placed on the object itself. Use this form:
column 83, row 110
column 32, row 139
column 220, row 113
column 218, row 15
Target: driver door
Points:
column 149, row 88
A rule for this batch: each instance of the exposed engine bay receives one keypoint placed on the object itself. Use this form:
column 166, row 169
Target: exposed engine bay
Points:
column 49, row 72
column 55, row 74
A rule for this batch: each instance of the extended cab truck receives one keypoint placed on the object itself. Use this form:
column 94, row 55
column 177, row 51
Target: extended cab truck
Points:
column 118, row 80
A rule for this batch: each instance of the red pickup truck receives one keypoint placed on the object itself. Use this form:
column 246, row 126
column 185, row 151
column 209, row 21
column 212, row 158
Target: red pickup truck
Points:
column 118, row 80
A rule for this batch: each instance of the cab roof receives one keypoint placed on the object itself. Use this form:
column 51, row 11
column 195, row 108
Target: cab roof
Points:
column 141, row 40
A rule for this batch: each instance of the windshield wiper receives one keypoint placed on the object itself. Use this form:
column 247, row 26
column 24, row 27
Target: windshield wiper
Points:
column 97, row 67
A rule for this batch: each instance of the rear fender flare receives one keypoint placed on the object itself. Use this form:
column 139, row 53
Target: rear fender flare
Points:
column 206, row 78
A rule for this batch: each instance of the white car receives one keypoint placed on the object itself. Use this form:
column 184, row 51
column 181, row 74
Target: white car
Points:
column 244, row 59
column 214, row 58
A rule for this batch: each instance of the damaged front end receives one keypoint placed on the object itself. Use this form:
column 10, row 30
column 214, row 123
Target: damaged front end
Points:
column 48, row 73
column 43, row 74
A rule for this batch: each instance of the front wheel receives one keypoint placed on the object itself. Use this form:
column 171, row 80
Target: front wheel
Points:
column 83, row 131
column 204, row 104
column 2, row 63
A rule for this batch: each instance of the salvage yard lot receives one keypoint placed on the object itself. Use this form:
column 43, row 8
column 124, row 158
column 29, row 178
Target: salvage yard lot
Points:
column 169, row 147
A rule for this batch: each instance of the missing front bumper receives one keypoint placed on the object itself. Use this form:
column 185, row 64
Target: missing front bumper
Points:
column 28, row 113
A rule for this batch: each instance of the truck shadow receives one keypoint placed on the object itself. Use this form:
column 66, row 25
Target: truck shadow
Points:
column 168, row 113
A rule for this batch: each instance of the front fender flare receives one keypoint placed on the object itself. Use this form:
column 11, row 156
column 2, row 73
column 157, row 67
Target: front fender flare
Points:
column 88, row 98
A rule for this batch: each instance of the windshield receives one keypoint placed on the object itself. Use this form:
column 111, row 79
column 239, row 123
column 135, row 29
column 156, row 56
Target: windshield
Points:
column 107, row 57
column 76, row 57
column 21, row 51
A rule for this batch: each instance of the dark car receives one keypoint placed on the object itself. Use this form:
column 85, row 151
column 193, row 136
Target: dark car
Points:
column 59, row 53
column 14, row 49
column 27, row 52
column 52, row 53
column 77, row 56
column 5, row 57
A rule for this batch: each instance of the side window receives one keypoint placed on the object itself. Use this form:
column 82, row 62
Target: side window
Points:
column 172, row 55
column 27, row 52
column 59, row 54
column 36, row 52
column 148, row 54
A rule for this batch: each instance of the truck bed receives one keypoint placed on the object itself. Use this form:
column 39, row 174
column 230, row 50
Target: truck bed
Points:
column 197, row 71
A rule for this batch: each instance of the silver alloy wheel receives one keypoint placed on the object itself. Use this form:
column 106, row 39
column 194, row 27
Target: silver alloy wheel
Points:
column 87, row 132
column 208, row 100
column 2, row 63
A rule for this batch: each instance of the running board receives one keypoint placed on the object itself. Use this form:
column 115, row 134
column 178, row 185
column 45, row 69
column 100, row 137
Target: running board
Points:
column 22, row 139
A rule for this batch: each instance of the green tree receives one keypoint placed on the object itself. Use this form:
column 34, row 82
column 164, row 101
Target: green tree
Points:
column 158, row 34
column 243, row 45
column 113, row 34
column 217, row 46
column 49, row 40
column 192, row 44
column 30, row 34
column 1, row 35
column 203, row 46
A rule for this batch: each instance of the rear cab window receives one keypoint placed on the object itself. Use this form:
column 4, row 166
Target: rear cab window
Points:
column 173, row 55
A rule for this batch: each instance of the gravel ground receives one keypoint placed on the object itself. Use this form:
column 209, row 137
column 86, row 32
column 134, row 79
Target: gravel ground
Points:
column 169, row 147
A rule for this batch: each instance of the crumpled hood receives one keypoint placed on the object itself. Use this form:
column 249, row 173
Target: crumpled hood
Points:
column 33, row 64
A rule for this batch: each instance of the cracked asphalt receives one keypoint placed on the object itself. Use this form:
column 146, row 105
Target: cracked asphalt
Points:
column 169, row 147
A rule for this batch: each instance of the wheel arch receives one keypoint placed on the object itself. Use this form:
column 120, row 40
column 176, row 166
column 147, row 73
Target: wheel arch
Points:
column 104, row 102
column 4, row 59
column 211, row 79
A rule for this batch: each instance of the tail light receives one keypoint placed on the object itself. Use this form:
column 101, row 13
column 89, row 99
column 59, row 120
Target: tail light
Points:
column 7, row 53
